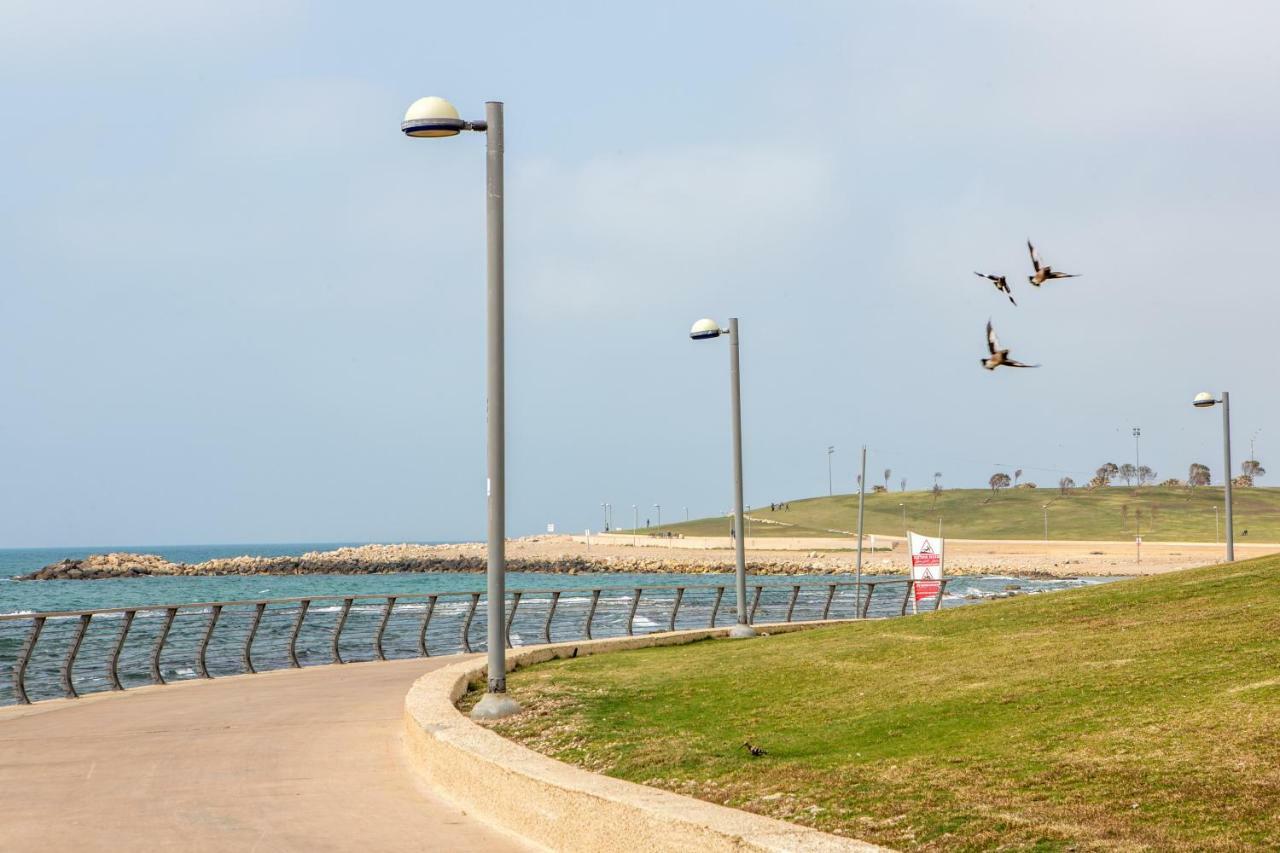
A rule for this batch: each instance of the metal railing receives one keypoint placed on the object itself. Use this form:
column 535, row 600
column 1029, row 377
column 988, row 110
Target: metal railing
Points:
column 73, row 652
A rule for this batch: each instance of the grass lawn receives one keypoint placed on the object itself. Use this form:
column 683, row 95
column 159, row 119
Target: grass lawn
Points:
column 1143, row 714
column 1114, row 513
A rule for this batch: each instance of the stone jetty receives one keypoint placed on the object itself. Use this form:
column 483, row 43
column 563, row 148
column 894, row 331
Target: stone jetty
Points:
column 377, row 559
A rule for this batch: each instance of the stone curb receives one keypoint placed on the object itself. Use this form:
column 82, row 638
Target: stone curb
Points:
column 562, row 807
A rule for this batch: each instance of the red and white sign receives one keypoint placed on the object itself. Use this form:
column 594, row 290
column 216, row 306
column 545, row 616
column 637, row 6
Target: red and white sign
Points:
column 926, row 565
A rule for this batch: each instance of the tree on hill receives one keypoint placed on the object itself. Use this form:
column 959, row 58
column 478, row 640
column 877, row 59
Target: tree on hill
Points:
column 998, row 481
column 1198, row 475
column 1172, row 483
column 878, row 489
column 1244, row 481
column 937, row 493
column 937, row 475
column 1252, row 469
column 1128, row 473
column 1017, row 475
column 1104, row 475
column 1065, row 485
column 1145, row 475
column 888, row 472
column 902, row 484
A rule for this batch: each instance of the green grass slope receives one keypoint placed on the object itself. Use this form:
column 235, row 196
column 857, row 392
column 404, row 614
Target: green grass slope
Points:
column 1143, row 714
column 1116, row 513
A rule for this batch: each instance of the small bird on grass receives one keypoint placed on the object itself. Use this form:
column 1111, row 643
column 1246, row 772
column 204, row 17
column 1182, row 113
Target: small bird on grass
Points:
column 754, row 750
column 999, row 357
column 1044, row 272
column 1001, row 284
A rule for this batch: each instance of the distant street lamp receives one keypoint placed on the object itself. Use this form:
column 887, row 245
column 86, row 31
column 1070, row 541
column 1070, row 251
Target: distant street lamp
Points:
column 436, row 117
column 1137, row 453
column 705, row 330
column 686, row 513
column 658, row 507
column 1045, row 507
column 830, row 452
column 1205, row 400
column 635, row 530
column 605, row 508
column 903, row 507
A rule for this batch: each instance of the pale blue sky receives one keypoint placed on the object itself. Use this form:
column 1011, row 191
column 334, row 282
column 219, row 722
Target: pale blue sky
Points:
column 238, row 305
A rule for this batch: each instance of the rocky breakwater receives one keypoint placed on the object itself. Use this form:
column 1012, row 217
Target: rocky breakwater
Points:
column 377, row 559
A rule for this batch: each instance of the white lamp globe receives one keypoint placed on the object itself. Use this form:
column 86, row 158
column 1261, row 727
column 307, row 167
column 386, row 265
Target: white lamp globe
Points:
column 431, row 116
column 1203, row 400
column 705, row 329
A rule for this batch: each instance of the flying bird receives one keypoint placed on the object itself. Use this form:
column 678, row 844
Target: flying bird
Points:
column 754, row 750
column 1044, row 272
column 999, row 356
column 1001, row 284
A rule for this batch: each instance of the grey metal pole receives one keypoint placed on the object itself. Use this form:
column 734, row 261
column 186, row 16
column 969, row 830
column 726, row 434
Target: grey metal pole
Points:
column 862, row 492
column 658, row 507
column 497, row 415
column 495, row 703
column 635, row 531
column 1226, row 456
column 742, row 629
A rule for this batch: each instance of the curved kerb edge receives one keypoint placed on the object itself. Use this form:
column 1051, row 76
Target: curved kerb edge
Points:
column 567, row 808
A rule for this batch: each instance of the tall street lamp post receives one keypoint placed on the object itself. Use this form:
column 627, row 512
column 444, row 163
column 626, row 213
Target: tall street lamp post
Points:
column 436, row 117
column 705, row 330
column 1205, row 400
column 658, row 507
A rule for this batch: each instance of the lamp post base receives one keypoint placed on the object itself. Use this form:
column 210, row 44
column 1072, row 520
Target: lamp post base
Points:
column 495, row 706
column 742, row 632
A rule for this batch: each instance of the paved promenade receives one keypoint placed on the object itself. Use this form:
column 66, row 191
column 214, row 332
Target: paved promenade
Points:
column 289, row 760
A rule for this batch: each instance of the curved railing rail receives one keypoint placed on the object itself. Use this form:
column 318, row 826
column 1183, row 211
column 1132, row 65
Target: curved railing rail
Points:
column 67, row 653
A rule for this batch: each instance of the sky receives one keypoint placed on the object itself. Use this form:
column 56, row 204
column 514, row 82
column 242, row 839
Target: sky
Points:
column 238, row 305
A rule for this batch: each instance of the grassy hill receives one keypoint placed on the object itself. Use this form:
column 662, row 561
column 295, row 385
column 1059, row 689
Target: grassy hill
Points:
column 1165, row 514
column 1143, row 714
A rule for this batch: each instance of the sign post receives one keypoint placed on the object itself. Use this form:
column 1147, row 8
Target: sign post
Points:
column 926, row 567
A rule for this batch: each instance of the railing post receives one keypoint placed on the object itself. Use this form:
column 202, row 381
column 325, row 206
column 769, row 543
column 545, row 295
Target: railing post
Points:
column 382, row 627
column 866, row 601
column 67, row 687
column 675, row 608
column 297, row 629
column 113, row 672
column 201, row 653
column 755, row 602
column 246, row 653
column 156, row 675
column 511, row 615
column 337, row 630
column 791, row 605
column 466, row 624
column 591, row 614
column 826, row 608
column 906, row 598
column 631, row 617
column 24, row 656
column 551, row 613
column 426, row 620
column 715, row 608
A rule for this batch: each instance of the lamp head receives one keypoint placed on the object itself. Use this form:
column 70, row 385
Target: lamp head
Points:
column 704, row 330
column 1203, row 400
column 432, row 116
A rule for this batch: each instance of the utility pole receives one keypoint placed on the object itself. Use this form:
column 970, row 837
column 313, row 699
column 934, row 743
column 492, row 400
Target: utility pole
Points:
column 830, row 451
column 1137, row 452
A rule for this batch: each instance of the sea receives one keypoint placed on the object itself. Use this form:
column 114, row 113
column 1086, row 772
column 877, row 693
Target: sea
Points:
column 34, row 597
column 558, row 606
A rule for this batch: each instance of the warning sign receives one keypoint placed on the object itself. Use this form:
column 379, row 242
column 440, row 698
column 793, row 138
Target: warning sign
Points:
column 926, row 565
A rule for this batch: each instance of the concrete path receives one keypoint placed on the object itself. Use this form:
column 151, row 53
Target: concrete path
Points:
column 291, row 760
